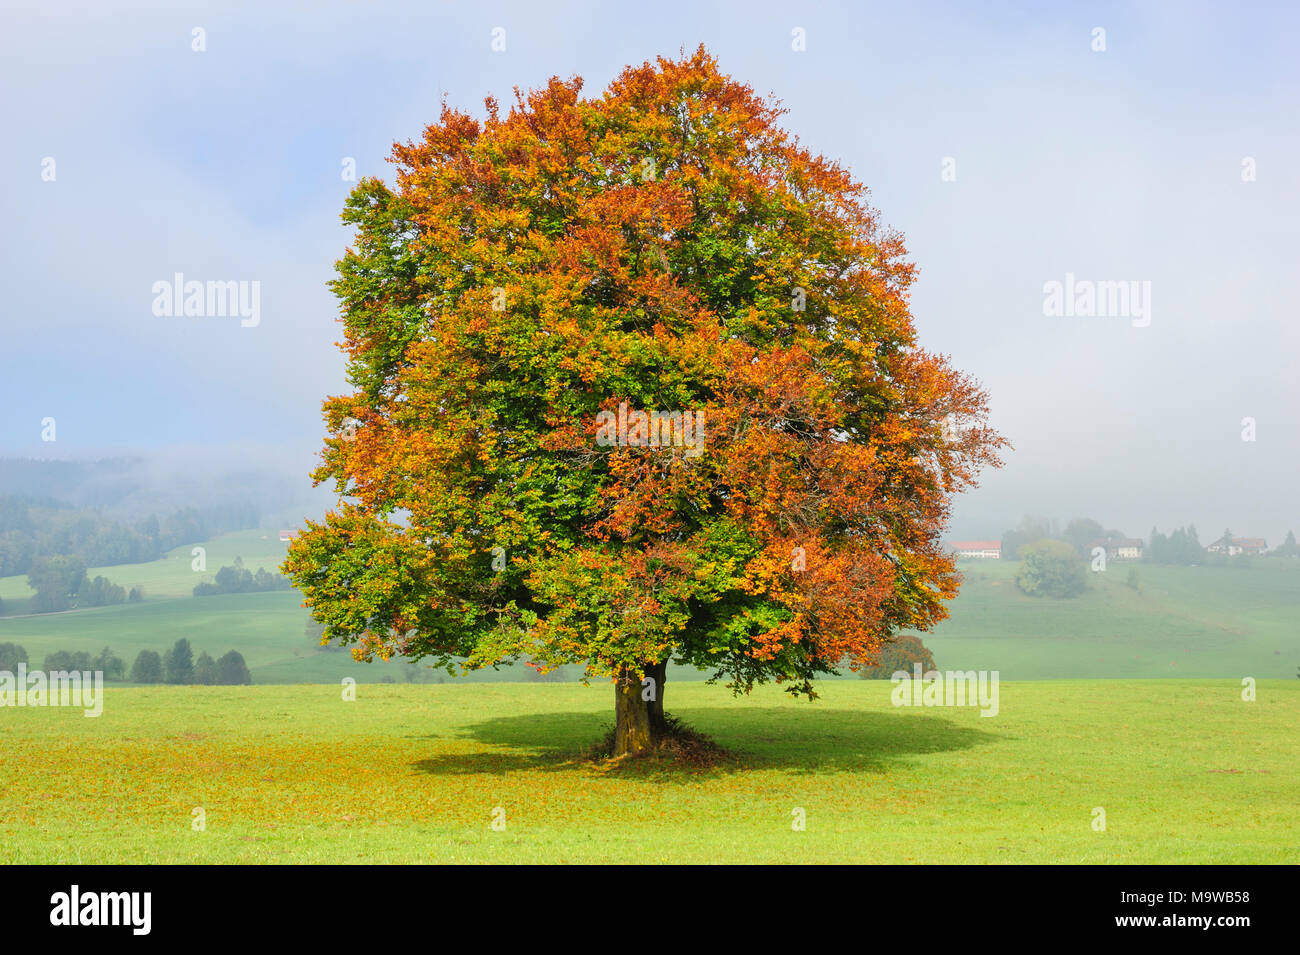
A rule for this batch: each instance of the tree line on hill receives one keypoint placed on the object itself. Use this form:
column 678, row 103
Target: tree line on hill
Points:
column 61, row 583
column 36, row 528
column 1180, row 547
column 179, row 666
column 112, row 666
column 1079, row 534
column 1054, row 562
column 176, row 666
column 1183, row 547
column 237, row 580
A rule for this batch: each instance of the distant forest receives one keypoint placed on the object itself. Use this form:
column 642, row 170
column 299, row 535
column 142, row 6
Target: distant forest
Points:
column 32, row 528
column 128, row 510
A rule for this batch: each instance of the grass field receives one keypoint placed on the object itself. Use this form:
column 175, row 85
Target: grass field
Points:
column 1181, row 622
column 1185, row 770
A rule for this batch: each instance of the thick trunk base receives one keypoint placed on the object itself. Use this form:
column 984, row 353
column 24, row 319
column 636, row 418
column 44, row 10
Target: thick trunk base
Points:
column 639, row 721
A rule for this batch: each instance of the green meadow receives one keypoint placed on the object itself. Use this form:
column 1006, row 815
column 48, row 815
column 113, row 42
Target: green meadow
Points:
column 1178, row 622
column 173, row 575
column 1185, row 771
column 285, row 770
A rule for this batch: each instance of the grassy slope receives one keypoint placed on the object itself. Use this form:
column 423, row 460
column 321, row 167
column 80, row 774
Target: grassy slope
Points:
column 1182, row 622
column 1185, row 771
column 173, row 574
column 267, row 628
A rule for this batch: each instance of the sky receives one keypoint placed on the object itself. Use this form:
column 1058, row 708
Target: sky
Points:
column 1012, row 144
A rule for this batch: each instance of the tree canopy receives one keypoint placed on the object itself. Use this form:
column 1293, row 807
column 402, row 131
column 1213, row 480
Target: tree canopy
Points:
column 1051, row 568
column 662, row 247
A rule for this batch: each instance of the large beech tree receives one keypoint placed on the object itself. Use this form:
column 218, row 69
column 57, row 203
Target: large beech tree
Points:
column 663, row 246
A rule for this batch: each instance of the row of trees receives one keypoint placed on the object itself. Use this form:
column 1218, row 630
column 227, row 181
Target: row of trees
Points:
column 31, row 529
column 1079, row 533
column 111, row 665
column 1181, row 547
column 1184, row 547
column 1289, row 547
column 177, row 665
column 237, row 580
column 1054, row 568
column 61, row 583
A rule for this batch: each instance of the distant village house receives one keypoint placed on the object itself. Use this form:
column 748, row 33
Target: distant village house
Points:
column 986, row 550
column 1239, row 545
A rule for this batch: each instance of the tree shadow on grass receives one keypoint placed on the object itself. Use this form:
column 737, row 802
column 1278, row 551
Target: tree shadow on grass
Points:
column 821, row 741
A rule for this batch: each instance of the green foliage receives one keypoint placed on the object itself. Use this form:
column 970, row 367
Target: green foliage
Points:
column 1029, row 529
column 237, row 580
column 205, row 670
column 232, row 671
column 11, row 654
column 1289, row 547
column 60, row 584
column 100, row 592
column 1180, row 547
column 56, row 580
column 180, row 662
column 901, row 653
column 179, row 667
column 1051, row 568
column 1082, row 531
column 113, row 667
column 147, row 668
column 67, row 660
column 1210, row 621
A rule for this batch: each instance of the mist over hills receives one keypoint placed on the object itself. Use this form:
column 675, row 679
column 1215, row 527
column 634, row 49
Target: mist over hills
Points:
column 131, row 487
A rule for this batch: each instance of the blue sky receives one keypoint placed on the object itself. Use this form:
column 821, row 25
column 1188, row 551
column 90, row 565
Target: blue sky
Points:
column 1115, row 165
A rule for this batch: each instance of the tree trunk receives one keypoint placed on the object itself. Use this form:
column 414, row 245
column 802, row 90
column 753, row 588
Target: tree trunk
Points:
column 639, row 712
column 659, row 673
